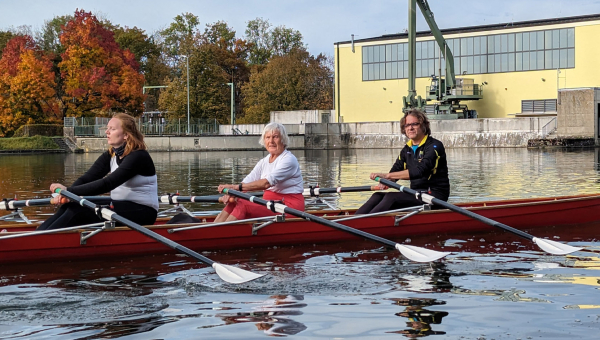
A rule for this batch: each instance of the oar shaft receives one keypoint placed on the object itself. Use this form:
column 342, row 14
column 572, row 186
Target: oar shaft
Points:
column 10, row 205
column 430, row 199
column 280, row 208
column 111, row 215
column 312, row 192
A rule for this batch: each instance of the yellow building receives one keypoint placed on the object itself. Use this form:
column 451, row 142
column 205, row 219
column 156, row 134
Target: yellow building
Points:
column 522, row 66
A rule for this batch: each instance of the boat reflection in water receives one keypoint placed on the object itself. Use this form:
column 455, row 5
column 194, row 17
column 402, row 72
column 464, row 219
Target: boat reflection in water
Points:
column 419, row 318
column 273, row 316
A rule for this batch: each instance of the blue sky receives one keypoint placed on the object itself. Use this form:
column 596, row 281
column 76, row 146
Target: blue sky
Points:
column 322, row 22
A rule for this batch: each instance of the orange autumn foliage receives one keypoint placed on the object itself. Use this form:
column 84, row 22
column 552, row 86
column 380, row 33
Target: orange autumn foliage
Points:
column 99, row 76
column 27, row 86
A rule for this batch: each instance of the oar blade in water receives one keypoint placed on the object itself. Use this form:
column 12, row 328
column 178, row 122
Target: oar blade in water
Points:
column 554, row 247
column 233, row 274
column 419, row 254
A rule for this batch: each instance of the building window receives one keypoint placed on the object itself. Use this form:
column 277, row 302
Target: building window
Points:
column 538, row 106
column 510, row 52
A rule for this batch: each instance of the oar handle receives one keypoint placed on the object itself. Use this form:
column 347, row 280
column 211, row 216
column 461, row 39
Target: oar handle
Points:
column 427, row 198
column 108, row 214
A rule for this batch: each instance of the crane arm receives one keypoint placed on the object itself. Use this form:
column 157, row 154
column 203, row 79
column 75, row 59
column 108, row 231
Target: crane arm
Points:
column 439, row 38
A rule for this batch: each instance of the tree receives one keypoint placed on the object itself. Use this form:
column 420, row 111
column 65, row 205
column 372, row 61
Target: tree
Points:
column 267, row 41
column 27, row 86
column 48, row 37
column 98, row 75
column 217, row 58
column 179, row 37
column 295, row 81
column 5, row 36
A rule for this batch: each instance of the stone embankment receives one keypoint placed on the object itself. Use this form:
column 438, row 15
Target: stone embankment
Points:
column 478, row 133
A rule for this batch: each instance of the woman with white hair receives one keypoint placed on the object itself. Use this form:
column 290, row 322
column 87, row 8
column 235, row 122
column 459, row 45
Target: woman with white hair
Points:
column 278, row 175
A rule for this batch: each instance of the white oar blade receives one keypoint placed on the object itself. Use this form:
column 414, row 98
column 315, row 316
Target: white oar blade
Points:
column 419, row 254
column 233, row 274
column 554, row 247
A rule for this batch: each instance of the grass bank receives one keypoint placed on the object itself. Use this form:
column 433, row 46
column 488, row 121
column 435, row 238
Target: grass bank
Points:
column 28, row 143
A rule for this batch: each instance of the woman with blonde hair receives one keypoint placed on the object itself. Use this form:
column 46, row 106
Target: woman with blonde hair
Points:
column 131, row 180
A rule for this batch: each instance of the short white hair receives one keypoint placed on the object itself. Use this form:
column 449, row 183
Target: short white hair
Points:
column 272, row 127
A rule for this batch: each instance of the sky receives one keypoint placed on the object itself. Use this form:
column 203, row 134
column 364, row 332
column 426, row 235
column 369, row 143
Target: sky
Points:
column 321, row 22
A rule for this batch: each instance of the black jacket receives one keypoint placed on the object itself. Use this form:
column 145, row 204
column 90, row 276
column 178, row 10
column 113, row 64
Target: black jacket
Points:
column 428, row 169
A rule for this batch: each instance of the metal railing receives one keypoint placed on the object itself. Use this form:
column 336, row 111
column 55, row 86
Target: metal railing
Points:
column 95, row 127
column 549, row 127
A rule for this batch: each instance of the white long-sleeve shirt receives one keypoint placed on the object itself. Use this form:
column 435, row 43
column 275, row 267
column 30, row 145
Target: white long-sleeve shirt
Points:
column 283, row 174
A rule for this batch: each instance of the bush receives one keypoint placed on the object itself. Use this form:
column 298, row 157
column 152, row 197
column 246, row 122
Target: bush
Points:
column 28, row 143
column 39, row 130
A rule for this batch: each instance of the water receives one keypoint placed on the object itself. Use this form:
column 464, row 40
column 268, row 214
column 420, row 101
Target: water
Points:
column 493, row 286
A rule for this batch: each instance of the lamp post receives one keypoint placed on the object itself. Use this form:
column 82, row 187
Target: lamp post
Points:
column 187, row 67
column 232, row 103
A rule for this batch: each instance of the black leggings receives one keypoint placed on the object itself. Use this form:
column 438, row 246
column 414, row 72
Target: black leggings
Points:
column 384, row 201
column 72, row 214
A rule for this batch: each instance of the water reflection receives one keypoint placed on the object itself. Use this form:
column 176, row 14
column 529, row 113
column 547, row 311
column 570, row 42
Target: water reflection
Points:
column 419, row 318
column 273, row 316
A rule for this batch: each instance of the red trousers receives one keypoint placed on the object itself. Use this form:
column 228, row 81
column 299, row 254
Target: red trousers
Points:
column 243, row 209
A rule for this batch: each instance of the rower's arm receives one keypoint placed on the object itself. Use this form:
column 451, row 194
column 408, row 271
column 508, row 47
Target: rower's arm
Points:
column 261, row 184
column 398, row 175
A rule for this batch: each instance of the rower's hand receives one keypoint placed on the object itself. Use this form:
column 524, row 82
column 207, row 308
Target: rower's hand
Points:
column 55, row 186
column 378, row 174
column 227, row 186
column 58, row 199
column 381, row 187
column 227, row 199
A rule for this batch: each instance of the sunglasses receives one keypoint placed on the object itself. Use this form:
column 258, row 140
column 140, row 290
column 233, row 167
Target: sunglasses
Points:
column 412, row 125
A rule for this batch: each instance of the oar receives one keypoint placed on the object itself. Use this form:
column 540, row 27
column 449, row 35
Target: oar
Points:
column 413, row 253
column 313, row 192
column 13, row 204
column 175, row 199
column 227, row 273
column 549, row 246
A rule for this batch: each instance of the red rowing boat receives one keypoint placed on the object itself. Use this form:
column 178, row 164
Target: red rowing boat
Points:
column 122, row 241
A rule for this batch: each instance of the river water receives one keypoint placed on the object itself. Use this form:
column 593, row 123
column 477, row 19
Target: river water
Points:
column 493, row 286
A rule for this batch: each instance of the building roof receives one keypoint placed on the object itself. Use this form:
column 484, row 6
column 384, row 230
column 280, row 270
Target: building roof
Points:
column 492, row 27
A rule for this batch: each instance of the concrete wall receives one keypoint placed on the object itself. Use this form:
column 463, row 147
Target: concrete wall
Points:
column 257, row 129
column 577, row 112
column 508, row 132
column 208, row 143
column 301, row 116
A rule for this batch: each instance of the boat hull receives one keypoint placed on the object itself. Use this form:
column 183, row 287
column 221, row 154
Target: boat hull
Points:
column 123, row 242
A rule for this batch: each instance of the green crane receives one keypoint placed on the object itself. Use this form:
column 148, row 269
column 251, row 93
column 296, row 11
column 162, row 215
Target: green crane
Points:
column 446, row 91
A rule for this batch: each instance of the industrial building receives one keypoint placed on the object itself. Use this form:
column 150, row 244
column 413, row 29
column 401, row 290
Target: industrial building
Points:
column 520, row 67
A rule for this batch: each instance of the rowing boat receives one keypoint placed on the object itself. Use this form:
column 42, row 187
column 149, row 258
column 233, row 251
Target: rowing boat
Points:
column 81, row 243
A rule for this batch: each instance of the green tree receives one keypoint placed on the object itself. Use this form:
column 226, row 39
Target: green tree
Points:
column 295, row 81
column 48, row 37
column 179, row 38
column 217, row 58
column 268, row 41
column 5, row 36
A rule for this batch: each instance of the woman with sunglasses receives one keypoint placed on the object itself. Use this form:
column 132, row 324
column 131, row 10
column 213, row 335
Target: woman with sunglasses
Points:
column 422, row 161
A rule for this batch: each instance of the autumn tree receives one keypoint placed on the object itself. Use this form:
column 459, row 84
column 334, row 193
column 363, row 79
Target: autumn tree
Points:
column 98, row 75
column 295, row 81
column 27, row 86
